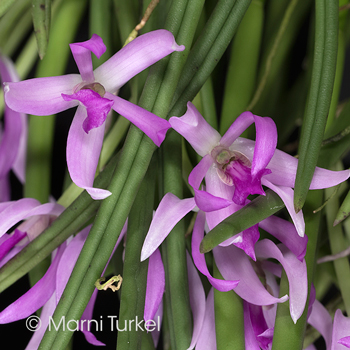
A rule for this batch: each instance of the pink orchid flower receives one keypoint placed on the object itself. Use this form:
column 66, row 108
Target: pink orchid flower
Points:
column 93, row 91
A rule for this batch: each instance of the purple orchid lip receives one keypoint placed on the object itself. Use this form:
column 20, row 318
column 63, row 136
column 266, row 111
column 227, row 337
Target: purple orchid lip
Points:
column 93, row 91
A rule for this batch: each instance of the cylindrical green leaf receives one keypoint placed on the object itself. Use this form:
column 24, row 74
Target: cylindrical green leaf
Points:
column 242, row 70
column 323, row 74
column 229, row 318
column 41, row 11
column 257, row 210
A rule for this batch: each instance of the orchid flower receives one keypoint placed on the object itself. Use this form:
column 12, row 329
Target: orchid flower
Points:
column 235, row 167
column 94, row 94
column 13, row 138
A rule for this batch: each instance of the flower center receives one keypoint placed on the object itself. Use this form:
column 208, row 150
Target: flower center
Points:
column 230, row 164
column 97, row 87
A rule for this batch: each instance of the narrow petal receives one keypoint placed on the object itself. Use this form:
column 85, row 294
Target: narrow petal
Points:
column 83, row 152
column 96, row 106
column 19, row 165
column 36, row 297
column 234, row 264
column 41, row 96
column 321, row 320
column 155, row 285
column 5, row 189
column 82, row 55
column 218, row 189
column 283, row 168
column 192, row 126
column 22, row 209
column 46, row 313
column 199, row 259
column 136, row 56
column 251, row 342
column 341, row 329
column 197, row 300
column 10, row 242
column 207, row 337
column 154, row 127
column 158, row 320
column 295, row 270
column 169, row 212
column 13, row 124
column 204, row 200
column 266, row 138
column 286, row 233
column 287, row 195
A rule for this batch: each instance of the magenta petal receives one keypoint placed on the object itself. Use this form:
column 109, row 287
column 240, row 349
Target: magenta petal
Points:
column 82, row 55
column 197, row 300
column 83, row 152
column 10, row 242
column 154, row 127
column 155, row 285
column 41, row 96
column 246, row 240
column 97, row 107
column 36, row 297
column 251, row 342
column 192, row 126
column 345, row 341
column 207, row 202
column 5, row 189
column 199, row 259
column 234, row 264
column 341, row 330
column 285, row 232
column 169, row 212
column 295, row 270
column 136, row 56
column 287, row 195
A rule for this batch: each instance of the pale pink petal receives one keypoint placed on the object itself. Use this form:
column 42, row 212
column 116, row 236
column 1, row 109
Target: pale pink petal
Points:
column 218, row 189
column 341, row 329
column 83, row 152
column 285, row 232
column 5, row 189
column 192, row 126
column 158, row 320
column 82, row 55
column 46, row 313
column 154, row 127
column 199, row 259
column 321, row 320
column 169, row 212
column 295, row 270
column 197, row 300
column 133, row 58
column 234, row 264
column 41, row 96
column 22, row 209
column 36, row 297
column 155, row 285
column 287, row 195
column 207, row 337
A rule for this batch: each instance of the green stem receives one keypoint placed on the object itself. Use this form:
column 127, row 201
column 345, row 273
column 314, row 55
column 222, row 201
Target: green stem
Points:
column 229, row 318
column 174, row 252
column 133, row 293
column 243, row 66
column 322, row 81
